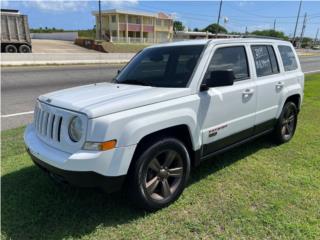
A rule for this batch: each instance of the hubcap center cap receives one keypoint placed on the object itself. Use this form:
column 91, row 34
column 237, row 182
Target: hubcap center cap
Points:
column 163, row 173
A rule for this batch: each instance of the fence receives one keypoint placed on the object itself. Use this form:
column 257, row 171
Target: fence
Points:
column 132, row 40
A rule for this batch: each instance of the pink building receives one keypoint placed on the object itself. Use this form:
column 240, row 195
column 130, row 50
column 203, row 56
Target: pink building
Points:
column 134, row 27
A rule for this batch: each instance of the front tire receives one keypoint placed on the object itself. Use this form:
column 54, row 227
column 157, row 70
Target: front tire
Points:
column 287, row 123
column 160, row 174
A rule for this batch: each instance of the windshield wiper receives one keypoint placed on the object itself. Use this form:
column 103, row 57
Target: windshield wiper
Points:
column 133, row 81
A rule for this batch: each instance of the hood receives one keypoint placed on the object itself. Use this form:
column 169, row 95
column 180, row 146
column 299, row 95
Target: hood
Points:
column 100, row 99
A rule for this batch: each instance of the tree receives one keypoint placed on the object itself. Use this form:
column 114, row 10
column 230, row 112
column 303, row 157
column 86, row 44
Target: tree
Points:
column 196, row 30
column 178, row 26
column 270, row 33
column 215, row 28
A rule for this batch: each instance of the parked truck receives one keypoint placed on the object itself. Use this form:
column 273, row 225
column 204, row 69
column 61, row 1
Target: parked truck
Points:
column 15, row 34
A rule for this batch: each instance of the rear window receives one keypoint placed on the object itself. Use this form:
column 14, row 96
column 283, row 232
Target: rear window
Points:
column 288, row 58
column 265, row 60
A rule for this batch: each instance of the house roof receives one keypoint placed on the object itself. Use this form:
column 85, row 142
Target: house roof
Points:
column 130, row 12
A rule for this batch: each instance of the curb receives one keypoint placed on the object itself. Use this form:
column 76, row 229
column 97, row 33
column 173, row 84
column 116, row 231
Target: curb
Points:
column 64, row 62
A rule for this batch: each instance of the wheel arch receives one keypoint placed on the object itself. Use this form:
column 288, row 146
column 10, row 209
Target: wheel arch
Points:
column 181, row 132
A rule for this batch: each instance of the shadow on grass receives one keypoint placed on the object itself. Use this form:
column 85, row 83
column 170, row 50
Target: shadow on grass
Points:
column 33, row 207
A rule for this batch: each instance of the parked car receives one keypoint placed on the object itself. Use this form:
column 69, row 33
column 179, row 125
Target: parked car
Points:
column 173, row 106
column 15, row 34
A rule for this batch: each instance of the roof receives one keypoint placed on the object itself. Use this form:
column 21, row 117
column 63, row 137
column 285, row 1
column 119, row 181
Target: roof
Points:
column 221, row 41
column 10, row 11
column 130, row 12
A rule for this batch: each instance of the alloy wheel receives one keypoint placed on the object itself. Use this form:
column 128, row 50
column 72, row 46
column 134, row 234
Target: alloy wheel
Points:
column 288, row 123
column 164, row 175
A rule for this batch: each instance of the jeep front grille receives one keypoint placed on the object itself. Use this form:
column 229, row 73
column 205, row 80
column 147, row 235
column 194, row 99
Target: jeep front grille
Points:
column 48, row 124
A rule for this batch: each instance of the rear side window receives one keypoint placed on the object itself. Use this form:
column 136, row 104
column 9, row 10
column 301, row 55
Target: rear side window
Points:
column 230, row 58
column 265, row 60
column 288, row 58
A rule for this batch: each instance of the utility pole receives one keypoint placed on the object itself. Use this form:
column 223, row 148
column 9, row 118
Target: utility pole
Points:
column 303, row 29
column 100, row 21
column 295, row 29
column 246, row 32
column 217, row 30
column 274, row 24
column 315, row 39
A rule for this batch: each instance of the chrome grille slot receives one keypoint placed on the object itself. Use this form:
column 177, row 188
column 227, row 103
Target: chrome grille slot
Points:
column 48, row 124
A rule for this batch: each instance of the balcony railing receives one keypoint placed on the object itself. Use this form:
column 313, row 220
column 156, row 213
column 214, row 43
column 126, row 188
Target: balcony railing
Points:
column 132, row 40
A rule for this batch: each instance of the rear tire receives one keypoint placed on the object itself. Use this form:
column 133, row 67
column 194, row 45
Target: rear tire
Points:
column 11, row 49
column 24, row 49
column 286, row 124
column 159, row 175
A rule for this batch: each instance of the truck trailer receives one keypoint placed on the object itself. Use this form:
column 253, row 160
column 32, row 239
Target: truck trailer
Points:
column 15, row 34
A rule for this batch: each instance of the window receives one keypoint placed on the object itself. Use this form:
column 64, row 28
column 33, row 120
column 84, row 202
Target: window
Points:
column 162, row 66
column 273, row 58
column 288, row 58
column 113, row 18
column 158, row 22
column 230, row 58
column 265, row 60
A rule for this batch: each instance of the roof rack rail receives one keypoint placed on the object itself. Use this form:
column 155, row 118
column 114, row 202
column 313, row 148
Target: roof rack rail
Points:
column 259, row 36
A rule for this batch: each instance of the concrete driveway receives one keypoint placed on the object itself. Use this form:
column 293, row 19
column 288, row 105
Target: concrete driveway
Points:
column 57, row 46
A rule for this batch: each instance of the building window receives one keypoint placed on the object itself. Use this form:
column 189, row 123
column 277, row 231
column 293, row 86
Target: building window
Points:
column 159, row 22
column 113, row 18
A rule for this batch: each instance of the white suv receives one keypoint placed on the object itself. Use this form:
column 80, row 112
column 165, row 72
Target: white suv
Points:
column 171, row 107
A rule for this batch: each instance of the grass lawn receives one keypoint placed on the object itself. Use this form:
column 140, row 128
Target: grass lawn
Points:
column 256, row 191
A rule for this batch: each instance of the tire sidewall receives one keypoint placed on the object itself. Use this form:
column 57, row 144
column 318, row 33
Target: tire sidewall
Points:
column 142, row 165
column 15, row 50
column 24, row 47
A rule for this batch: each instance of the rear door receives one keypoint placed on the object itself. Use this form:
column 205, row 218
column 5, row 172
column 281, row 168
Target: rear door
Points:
column 270, row 83
column 228, row 112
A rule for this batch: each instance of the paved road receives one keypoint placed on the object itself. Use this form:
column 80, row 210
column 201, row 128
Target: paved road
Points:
column 21, row 86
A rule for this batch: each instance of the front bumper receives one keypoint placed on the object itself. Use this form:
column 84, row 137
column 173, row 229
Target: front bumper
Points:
column 81, row 179
column 83, row 168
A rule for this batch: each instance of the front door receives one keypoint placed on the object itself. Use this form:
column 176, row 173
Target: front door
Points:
column 229, row 111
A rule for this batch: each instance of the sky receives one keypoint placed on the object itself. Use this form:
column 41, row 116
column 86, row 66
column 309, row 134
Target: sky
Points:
column 235, row 15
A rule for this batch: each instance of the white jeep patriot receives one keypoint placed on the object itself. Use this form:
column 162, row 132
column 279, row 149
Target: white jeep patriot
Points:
column 171, row 107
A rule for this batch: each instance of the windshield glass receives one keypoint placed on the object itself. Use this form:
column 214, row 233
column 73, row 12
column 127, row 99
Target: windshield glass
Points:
column 162, row 66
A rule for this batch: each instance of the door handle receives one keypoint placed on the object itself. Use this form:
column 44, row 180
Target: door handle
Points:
column 247, row 93
column 279, row 85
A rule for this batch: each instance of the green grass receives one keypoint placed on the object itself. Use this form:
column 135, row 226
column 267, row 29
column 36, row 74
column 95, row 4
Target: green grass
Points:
column 256, row 191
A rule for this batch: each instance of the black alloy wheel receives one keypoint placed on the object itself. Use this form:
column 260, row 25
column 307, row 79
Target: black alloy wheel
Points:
column 287, row 123
column 160, row 174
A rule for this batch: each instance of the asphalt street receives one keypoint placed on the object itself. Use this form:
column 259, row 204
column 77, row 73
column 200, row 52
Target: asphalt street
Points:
column 21, row 86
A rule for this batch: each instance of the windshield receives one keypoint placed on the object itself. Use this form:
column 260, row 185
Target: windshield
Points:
column 162, row 66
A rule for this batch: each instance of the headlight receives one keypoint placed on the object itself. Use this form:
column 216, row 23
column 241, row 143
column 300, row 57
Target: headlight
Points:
column 75, row 129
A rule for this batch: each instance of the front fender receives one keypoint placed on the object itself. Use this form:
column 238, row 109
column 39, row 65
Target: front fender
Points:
column 130, row 126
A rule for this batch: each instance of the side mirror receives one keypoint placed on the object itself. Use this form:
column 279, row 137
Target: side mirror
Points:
column 119, row 71
column 219, row 78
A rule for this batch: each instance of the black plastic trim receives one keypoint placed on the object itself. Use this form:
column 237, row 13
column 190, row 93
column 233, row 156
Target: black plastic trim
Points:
column 222, row 145
column 81, row 179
